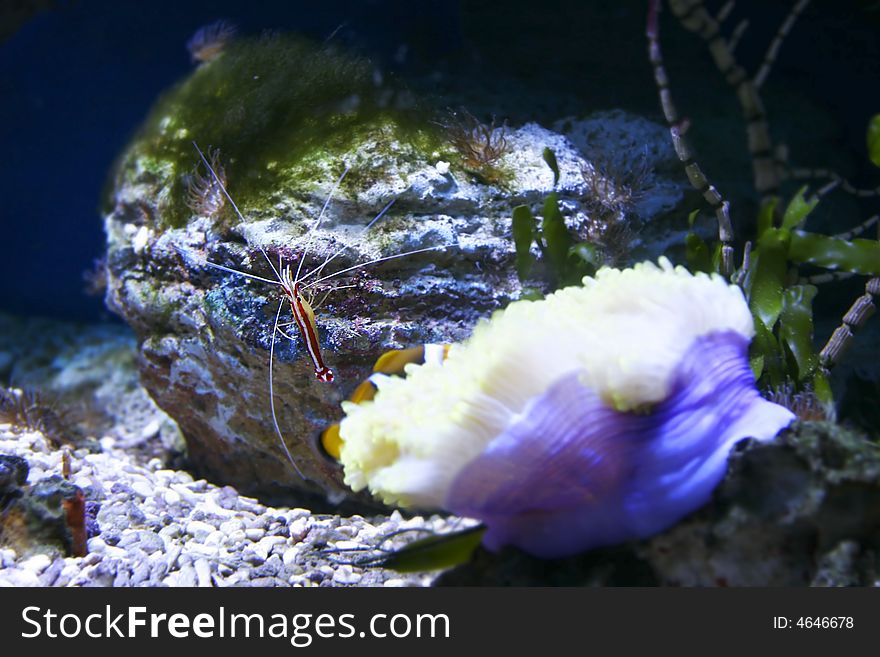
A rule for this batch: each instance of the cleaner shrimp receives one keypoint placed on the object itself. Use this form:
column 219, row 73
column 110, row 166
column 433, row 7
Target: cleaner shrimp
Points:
column 295, row 288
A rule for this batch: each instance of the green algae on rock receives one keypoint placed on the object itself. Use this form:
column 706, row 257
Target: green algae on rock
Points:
column 276, row 106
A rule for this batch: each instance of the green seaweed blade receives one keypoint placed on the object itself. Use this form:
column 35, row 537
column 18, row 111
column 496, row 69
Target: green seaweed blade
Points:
column 858, row 256
column 873, row 139
column 768, row 276
column 436, row 552
column 796, row 328
column 523, row 235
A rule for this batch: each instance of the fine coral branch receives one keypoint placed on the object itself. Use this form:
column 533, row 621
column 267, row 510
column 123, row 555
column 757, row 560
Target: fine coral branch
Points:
column 694, row 16
column 725, row 10
column 781, row 33
column 858, row 313
column 736, row 35
column 31, row 411
column 836, row 181
column 768, row 162
column 861, row 228
column 694, row 173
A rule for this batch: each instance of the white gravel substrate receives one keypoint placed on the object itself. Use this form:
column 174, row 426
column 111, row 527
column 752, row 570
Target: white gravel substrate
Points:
column 160, row 527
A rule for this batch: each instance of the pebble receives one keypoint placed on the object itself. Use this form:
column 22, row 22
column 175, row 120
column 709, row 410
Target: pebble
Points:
column 251, row 556
column 200, row 550
column 150, row 542
column 51, row 574
column 141, row 573
column 115, row 552
column 298, row 528
column 170, row 531
column 270, row 568
column 185, row 493
column 147, row 541
column 19, row 577
column 7, row 558
column 159, row 527
column 91, row 559
column 199, row 530
column 203, row 572
column 187, row 576
column 236, row 537
column 37, row 563
column 96, row 544
column 173, row 555
column 254, row 534
column 230, row 526
column 142, row 488
column 123, row 578
column 158, row 572
column 265, row 545
column 348, row 545
column 346, row 575
column 289, row 556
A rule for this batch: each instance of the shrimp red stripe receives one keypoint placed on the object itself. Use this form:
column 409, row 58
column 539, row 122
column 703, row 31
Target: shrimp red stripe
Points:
column 310, row 335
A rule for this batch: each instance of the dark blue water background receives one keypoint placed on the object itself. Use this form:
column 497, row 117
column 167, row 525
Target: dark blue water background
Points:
column 76, row 80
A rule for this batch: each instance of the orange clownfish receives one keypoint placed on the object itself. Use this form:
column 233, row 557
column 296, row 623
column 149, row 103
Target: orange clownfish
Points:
column 391, row 363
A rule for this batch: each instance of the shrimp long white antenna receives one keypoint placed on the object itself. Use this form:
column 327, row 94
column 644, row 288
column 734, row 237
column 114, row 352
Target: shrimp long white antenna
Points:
column 442, row 247
column 231, row 202
column 188, row 256
column 265, row 280
column 240, row 273
column 330, row 258
column 318, row 223
column 276, row 271
column 272, row 395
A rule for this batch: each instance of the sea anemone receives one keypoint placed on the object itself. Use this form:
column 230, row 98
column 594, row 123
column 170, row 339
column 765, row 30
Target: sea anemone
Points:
column 600, row 414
